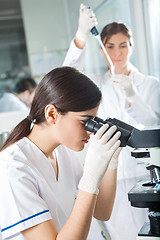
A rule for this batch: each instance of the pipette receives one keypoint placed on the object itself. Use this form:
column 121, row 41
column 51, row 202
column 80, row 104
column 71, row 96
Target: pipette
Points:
column 95, row 32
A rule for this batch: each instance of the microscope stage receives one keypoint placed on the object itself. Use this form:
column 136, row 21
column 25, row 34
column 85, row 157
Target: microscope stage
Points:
column 145, row 195
column 145, row 233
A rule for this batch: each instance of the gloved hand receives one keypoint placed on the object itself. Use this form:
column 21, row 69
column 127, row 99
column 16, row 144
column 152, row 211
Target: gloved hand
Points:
column 98, row 156
column 87, row 21
column 124, row 83
column 114, row 161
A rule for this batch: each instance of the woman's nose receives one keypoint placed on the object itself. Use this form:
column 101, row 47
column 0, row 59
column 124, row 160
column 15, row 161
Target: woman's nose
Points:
column 117, row 52
column 89, row 133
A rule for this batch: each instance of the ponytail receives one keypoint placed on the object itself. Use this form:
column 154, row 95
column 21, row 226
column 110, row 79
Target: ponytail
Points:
column 23, row 129
column 64, row 87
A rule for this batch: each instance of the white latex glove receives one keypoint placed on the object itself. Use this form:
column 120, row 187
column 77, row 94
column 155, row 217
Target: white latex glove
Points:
column 87, row 21
column 114, row 161
column 98, row 156
column 124, row 83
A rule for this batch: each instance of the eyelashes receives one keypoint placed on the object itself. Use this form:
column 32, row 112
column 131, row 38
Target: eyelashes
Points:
column 83, row 122
column 109, row 47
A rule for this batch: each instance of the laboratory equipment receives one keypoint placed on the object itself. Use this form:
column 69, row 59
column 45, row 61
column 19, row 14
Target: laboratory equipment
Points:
column 129, row 135
column 146, row 193
column 96, row 34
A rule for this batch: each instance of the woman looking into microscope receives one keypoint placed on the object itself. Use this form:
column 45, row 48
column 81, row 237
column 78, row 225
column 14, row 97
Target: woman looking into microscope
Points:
column 45, row 193
column 127, row 95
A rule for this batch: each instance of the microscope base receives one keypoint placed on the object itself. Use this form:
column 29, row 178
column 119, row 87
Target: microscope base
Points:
column 147, row 238
column 145, row 234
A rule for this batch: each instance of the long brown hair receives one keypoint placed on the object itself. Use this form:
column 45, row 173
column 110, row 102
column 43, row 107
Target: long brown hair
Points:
column 67, row 89
column 114, row 28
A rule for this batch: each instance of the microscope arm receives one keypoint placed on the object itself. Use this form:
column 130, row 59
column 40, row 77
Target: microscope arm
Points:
column 133, row 137
column 129, row 135
column 144, row 138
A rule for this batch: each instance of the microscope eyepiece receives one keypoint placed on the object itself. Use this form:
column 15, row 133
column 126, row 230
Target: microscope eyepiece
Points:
column 130, row 136
column 94, row 125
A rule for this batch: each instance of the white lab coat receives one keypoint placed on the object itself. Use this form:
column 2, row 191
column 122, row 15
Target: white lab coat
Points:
column 9, row 102
column 30, row 192
column 125, row 221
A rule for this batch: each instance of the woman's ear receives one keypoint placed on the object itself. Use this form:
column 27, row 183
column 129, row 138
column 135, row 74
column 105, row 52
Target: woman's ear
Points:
column 131, row 50
column 51, row 114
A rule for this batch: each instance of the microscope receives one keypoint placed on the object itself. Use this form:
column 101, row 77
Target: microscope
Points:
column 146, row 193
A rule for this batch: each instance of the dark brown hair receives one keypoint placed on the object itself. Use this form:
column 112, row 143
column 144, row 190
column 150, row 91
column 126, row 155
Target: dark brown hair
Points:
column 114, row 28
column 25, row 84
column 67, row 89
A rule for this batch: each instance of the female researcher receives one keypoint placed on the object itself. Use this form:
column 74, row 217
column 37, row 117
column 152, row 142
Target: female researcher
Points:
column 39, row 174
column 21, row 97
column 129, row 96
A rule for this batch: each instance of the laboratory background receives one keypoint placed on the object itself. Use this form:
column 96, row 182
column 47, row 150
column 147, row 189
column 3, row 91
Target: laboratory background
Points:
column 35, row 36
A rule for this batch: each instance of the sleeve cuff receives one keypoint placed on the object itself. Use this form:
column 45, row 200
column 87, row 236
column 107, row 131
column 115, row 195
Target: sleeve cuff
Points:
column 25, row 223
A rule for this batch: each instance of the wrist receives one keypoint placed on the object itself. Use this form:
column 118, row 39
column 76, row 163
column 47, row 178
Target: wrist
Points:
column 130, row 96
column 88, row 184
column 79, row 44
column 113, row 164
column 130, row 99
column 81, row 36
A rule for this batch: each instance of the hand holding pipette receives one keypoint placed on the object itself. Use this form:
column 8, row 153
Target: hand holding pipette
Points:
column 87, row 21
column 88, row 17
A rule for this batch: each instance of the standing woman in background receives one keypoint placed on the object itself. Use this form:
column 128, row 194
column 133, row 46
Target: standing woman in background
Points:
column 45, row 194
column 127, row 95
